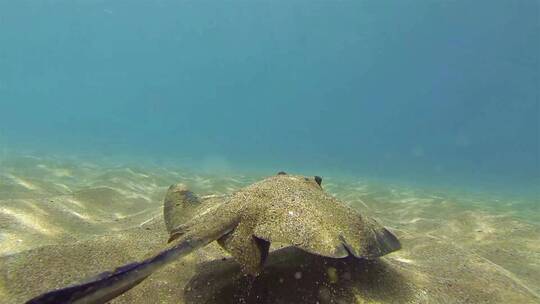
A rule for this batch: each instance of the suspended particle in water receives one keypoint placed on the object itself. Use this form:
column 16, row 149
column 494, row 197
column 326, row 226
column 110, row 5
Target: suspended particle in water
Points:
column 332, row 275
column 325, row 296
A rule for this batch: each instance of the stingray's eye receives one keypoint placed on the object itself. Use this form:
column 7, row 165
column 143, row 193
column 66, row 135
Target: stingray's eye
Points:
column 318, row 179
column 282, row 173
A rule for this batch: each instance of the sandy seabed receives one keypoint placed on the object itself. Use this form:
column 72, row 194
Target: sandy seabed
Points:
column 62, row 221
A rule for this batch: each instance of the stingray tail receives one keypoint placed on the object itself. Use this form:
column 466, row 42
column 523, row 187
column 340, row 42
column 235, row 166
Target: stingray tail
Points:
column 109, row 285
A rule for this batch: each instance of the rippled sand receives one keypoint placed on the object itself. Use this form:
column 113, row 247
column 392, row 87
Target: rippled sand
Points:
column 63, row 221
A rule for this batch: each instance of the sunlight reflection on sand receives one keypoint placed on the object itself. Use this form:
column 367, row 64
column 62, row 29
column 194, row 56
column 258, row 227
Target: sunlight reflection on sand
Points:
column 31, row 221
column 116, row 212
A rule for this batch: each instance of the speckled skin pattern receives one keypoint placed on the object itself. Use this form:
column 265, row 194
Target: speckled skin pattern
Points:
column 287, row 209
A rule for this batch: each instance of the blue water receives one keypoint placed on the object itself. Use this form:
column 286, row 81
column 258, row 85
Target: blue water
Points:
column 437, row 93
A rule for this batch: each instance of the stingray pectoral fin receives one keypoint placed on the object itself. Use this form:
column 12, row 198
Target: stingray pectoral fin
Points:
column 179, row 205
column 366, row 238
column 388, row 242
column 325, row 227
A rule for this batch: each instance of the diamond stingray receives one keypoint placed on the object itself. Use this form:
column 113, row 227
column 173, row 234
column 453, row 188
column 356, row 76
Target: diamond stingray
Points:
column 287, row 209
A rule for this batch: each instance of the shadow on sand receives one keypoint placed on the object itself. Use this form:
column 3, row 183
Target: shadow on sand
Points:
column 294, row 276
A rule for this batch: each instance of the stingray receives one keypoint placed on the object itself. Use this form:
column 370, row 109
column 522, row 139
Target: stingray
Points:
column 284, row 209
